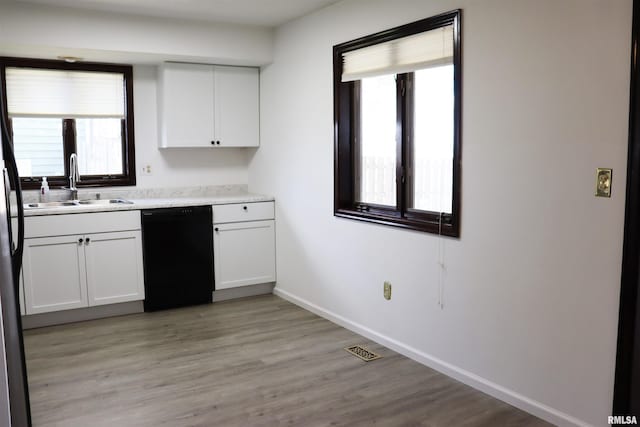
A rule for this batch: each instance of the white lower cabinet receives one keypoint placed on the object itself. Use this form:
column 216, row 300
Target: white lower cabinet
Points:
column 114, row 267
column 54, row 274
column 244, row 254
column 82, row 270
column 244, row 248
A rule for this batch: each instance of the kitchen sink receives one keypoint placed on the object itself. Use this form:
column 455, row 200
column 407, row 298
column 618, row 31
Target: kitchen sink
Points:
column 50, row 204
column 44, row 205
column 104, row 202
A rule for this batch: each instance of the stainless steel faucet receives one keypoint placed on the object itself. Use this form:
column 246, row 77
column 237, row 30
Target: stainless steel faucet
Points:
column 74, row 176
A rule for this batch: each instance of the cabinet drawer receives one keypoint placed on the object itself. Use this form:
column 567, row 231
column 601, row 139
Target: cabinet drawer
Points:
column 83, row 223
column 238, row 212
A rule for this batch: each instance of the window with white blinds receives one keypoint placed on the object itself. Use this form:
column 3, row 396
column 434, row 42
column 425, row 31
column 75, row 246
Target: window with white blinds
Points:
column 397, row 126
column 35, row 92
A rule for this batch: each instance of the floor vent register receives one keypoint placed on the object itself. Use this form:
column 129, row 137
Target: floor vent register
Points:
column 362, row 353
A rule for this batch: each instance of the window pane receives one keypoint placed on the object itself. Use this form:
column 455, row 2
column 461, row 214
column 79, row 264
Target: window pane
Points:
column 38, row 146
column 433, row 139
column 377, row 173
column 99, row 146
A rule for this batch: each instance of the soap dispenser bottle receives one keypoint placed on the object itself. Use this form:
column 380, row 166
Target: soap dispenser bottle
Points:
column 44, row 190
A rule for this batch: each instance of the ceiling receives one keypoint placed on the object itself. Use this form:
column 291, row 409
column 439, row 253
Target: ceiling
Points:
column 270, row 13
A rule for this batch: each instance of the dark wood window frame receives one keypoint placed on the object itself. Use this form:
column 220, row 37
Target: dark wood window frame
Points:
column 346, row 129
column 128, row 177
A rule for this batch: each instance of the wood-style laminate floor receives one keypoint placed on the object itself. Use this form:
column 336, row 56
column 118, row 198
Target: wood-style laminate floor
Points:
column 257, row 361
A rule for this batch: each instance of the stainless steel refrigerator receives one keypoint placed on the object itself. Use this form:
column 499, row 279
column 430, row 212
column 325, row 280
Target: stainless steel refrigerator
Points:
column 14, row 391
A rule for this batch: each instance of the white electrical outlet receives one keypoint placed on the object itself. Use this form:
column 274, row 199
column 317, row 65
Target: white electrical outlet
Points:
column 146, row 170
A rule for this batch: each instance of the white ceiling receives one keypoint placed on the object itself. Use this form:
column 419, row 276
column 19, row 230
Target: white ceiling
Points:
column 270, row 13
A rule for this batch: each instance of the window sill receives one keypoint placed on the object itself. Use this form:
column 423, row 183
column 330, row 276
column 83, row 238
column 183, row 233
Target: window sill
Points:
column 88, row 182
column 451, row 230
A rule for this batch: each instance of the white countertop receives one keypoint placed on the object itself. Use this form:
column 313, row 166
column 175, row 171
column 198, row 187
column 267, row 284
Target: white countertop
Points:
column 149, row 203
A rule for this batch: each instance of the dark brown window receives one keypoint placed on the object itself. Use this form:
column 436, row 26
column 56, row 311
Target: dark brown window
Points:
column 397, row 126
column 57, row 108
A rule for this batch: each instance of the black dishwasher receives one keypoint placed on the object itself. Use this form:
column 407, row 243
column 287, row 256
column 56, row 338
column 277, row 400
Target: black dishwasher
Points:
column 178, row 257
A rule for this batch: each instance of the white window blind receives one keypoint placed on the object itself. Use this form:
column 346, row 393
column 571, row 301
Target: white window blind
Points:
column 70, row 94
column 403, row 55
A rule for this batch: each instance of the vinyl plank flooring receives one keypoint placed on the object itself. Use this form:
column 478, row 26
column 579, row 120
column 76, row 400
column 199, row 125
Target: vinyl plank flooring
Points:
column 258, row 361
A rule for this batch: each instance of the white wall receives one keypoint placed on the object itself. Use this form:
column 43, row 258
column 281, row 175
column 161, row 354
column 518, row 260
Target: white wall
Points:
column 177, row 167
column 45, row 31
column 532, row 285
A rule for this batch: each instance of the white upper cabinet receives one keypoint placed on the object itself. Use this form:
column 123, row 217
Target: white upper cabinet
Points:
column 237, row 117
column 186, row 105
column 208, row 106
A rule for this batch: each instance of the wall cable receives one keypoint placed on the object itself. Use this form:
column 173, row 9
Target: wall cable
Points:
column 441, row 264
column 441, row 248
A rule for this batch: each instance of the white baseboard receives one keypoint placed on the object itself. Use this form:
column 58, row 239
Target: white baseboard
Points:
column 511, row 397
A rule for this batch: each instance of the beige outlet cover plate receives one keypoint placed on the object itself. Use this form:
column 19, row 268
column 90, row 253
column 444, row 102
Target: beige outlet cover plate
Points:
column 387, row 290
column 603, row 182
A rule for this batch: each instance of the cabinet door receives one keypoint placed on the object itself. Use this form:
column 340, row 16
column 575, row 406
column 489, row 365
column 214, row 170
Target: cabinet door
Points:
column 54, row 274
column 244, row 254
column 114, row 267
column 185, row 99
column 237, row 106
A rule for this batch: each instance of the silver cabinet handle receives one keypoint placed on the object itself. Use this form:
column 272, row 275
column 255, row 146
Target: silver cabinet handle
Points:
column 7, row 200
